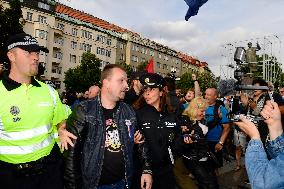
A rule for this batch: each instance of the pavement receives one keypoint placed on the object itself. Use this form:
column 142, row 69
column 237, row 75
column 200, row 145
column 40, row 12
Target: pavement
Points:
column 231, row 179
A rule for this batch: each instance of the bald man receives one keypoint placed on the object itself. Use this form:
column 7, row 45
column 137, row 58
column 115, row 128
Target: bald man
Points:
column 93, row 91
column 217, row 124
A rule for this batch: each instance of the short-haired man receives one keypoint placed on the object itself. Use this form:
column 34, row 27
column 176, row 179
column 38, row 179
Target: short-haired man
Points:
column 103, row 153
column 135, row 88
column 30, row 111
column 217, row 122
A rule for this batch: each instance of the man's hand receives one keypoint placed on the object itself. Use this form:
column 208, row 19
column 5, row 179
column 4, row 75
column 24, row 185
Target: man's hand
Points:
column 272, row 116
column 65, row 136
column 218, row 147
column 249, row 128
column 146, row 181
column 138, row 137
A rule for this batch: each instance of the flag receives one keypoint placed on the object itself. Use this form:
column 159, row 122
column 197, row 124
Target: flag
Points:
column 150, row 66
column 193, row 7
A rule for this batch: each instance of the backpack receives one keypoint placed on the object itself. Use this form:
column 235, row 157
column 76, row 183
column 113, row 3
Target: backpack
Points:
column 216, row 119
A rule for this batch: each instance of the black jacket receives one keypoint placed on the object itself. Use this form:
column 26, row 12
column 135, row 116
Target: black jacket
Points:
column 161, row 131
column 84, row 161
column 199, row 148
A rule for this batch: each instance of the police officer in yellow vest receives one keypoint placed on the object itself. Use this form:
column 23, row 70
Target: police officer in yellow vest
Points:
column 30, row 112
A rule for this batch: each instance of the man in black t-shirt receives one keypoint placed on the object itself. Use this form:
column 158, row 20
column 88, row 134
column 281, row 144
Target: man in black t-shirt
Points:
column 102, row 156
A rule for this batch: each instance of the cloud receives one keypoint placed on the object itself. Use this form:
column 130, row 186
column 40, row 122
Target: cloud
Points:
column 205, row 36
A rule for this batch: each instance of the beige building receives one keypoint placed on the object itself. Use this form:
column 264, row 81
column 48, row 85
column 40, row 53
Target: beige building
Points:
column 68, row 32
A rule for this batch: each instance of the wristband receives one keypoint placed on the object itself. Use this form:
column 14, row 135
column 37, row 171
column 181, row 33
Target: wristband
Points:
column 221, row 143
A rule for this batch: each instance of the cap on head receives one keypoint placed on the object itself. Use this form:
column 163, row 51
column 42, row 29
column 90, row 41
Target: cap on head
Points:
column 152, row 80
column 136, row 75
column 26, row 42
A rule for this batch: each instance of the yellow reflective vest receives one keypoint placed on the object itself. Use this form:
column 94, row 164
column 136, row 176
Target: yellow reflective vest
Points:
column 28, row 119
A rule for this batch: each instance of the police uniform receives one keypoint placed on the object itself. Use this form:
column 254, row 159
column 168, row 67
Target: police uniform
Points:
column 29, row 115
column 161, row 132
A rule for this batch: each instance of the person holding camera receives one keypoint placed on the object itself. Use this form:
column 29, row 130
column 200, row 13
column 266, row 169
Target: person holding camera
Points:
column 196, row 153
column 264, row 172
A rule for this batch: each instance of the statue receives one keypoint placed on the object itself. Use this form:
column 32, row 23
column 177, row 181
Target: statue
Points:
column 251, row 53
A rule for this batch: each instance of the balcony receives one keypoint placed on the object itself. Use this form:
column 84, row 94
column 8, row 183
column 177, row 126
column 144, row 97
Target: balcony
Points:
column 55, row 75
column 56, row 60
column 58, row 43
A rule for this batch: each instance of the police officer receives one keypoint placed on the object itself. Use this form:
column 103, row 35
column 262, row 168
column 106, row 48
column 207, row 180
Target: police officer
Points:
column 158, row 123
column 30, row 112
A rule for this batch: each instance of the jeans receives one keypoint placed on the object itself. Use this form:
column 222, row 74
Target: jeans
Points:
column 117, row 185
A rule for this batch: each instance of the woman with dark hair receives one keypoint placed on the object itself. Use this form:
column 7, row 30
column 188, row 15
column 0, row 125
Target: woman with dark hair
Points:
column 196, row 155
column 158, row 123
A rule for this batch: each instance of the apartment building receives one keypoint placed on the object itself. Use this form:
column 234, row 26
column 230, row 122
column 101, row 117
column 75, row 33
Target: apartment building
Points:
column 68, row 32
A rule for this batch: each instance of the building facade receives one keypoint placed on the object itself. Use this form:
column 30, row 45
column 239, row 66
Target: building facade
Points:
column 68, row 33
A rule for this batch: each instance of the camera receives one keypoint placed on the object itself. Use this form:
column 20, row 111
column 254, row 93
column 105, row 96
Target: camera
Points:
column 194, row 137
column 240, row 84
column 252, row 118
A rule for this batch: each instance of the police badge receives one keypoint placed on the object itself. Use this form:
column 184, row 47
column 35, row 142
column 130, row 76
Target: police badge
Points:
column 14, row 110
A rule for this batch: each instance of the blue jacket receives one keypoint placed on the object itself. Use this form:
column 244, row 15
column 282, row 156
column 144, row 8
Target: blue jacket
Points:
column 264, row 173
column 84, row 161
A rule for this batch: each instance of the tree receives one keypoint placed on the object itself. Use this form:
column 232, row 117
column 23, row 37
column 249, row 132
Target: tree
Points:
column 206, row 79
column 88, row 73
column 142, row 66
column 11, row 23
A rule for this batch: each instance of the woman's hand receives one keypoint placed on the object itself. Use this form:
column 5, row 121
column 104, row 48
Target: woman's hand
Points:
column 138, row 137
column 248, row 127
column 272, row 116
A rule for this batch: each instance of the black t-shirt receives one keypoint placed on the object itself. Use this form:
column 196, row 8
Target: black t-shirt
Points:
column 113, row 166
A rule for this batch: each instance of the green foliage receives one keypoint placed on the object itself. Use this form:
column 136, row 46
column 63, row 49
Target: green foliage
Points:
column 142, row 66
column 206, row 79
column 88, row 73
column 11, row 23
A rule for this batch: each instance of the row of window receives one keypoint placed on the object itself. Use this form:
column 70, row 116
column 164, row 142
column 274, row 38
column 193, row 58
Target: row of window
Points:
column 87, row 34
column 103, row 39
column 85, row 47
column 103, row 52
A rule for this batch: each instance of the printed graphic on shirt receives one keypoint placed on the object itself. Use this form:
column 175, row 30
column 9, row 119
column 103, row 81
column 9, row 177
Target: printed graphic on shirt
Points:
column 112, row 137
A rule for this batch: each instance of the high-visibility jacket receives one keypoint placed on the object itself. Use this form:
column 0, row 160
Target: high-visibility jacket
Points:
column 28, row 119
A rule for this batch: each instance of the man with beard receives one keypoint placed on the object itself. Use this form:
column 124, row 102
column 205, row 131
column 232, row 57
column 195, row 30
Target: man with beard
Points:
column 102, row 156
column 30, row 112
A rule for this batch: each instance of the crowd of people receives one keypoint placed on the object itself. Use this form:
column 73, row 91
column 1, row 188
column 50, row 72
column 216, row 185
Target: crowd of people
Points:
column 144, row 136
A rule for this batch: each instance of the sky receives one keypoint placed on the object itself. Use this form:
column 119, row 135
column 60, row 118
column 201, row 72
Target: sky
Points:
column 212, row 35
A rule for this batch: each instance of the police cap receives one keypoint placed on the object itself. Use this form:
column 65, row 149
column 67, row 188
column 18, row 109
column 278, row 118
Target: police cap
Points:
column 152, row 80
column 26, row 42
